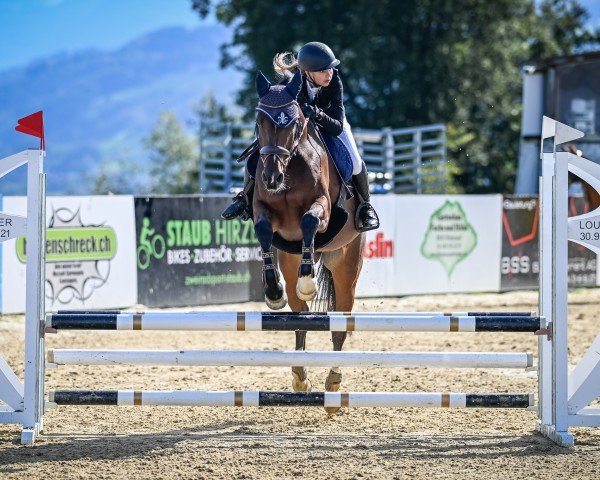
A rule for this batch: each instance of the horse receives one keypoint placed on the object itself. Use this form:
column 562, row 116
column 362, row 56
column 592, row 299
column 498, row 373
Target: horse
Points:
column 296, row 188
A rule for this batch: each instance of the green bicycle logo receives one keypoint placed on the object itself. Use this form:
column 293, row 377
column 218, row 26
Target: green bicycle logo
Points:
column 151, row 244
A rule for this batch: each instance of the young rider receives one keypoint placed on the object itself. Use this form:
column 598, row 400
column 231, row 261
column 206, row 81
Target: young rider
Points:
column 321, row 98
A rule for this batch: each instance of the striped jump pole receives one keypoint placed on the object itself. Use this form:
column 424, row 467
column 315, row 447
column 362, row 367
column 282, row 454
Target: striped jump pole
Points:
column 248, row 358
column 267, row 321
column 290, row 399
column 472, row 314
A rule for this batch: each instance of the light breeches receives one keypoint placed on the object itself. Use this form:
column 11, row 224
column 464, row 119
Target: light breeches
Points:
column 348, row 140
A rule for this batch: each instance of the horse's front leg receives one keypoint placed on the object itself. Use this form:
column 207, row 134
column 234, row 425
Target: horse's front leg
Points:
column 274, row 294
column 314, row 220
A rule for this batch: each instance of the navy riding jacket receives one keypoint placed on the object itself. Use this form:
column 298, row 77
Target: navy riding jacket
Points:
column 330, row 99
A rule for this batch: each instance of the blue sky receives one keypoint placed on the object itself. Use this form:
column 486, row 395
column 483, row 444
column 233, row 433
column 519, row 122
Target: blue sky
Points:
column 31, row 29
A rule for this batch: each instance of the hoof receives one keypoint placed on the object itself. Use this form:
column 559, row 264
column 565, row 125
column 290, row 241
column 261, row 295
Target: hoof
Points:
column 300, row 385
column 331, row 411
column 306, row 288
column 276, row 304
column 333, row 381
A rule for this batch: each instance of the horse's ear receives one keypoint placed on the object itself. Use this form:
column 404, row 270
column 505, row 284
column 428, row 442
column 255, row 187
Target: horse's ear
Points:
column 262, row 84
column 294, row 85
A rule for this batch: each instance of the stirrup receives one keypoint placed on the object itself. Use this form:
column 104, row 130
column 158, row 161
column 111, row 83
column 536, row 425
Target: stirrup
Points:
column 357, row 220
column 238, row 208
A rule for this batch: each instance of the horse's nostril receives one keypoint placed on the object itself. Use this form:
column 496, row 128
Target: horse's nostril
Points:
column 265, row 177
column 279, row 178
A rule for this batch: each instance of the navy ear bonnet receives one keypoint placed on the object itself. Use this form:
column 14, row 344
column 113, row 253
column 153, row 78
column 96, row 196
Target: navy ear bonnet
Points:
column 279, row 105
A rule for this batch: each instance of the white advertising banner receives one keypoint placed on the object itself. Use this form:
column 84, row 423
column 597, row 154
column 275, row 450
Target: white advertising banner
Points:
column 440, row 243
column 90, row 254
column 378, row 275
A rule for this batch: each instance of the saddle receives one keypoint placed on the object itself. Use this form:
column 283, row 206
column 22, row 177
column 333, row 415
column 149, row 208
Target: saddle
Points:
column 339, row 215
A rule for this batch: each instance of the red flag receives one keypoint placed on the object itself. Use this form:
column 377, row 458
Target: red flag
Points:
column 33, row 125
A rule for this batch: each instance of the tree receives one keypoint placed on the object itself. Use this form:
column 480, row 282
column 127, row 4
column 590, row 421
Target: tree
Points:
column 120, row 176
column 417, row 62
column 210, row 107
column 173, row 157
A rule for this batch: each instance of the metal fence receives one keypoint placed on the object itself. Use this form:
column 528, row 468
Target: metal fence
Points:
column 406, row 160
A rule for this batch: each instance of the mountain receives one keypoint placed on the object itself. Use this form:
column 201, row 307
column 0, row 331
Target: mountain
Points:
column 99, row 105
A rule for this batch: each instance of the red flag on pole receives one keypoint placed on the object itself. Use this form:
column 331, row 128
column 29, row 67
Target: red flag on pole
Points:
column 33, row 125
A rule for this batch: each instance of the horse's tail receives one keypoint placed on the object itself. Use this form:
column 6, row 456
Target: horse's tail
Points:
column 325, row 299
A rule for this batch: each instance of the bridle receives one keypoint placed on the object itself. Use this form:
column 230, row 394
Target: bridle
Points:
column 281, row 154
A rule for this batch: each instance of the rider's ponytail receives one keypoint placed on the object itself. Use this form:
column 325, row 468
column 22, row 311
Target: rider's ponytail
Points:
column 285, row 64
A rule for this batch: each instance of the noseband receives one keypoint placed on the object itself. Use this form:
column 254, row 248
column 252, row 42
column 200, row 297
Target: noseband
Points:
column 274, row 150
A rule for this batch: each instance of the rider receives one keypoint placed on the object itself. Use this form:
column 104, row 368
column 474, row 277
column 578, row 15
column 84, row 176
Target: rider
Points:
column 321, row 98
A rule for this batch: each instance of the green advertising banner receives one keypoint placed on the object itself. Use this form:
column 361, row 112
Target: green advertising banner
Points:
column 187, row 255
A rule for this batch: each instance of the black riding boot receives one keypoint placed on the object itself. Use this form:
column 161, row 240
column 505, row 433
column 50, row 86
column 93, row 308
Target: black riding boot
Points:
column 240, row 206
column 366, row 217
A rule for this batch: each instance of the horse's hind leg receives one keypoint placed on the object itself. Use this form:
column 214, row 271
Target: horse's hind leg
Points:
column 345, row 268
column 274, row 294
column 289, row 267
column 300, row 381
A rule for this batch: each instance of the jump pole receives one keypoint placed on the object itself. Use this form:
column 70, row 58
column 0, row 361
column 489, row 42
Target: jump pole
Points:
column 289, row 399
column 266, row 321
column 249, row 358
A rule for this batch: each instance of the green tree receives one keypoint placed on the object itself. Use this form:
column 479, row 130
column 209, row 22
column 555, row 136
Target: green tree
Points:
column 173, row 157
column 119, row 176
column 416, row 62
column 210, row 107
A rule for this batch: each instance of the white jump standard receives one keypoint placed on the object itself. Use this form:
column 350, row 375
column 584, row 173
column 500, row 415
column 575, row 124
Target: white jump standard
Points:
column 563, row 397
column 24, row 401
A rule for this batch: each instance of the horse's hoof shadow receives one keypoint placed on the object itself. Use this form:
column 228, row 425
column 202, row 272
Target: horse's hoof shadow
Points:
column 276, row 304
column 306, row 288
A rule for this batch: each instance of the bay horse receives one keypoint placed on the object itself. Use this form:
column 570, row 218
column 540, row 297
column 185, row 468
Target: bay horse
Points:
column 296, row 187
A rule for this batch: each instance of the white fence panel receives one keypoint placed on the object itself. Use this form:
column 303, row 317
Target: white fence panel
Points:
column 406, row 160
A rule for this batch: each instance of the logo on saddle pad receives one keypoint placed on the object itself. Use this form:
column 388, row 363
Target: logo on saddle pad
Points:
column 450, row 238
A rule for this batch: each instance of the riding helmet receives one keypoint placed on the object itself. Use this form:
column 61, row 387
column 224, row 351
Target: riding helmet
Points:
column 316, row 57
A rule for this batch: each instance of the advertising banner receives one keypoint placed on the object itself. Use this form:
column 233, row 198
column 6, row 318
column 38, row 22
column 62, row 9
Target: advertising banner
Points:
column 379, row 272
column 520, row 262
column 520, row 245
column 187, row 255
column 90, row 247
column 433, row 244
column 449, row 243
